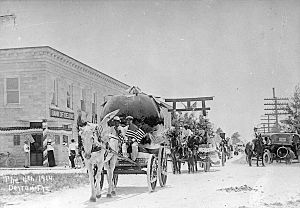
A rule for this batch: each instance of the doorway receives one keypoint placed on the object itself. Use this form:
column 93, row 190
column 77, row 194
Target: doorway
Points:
column 36, row 150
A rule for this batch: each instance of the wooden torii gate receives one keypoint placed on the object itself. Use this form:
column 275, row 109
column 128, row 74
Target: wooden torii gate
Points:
column 188, row 106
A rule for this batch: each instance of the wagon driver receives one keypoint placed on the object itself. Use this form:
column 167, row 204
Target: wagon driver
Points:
column 117, row 130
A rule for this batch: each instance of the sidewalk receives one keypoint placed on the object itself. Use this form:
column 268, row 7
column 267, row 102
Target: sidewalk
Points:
column 39, row 170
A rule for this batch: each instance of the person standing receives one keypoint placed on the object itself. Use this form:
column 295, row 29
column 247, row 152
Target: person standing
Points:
column 27, row 152
column 72, row 152
column 80, row 123
column 50, row 152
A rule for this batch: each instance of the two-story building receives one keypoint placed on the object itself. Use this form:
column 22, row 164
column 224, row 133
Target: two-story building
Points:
column 42, row 84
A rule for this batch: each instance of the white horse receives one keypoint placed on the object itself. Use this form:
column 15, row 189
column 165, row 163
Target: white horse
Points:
column 96, row 142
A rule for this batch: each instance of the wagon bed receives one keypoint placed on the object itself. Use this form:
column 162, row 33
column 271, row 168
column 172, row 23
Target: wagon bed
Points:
column 152, row 162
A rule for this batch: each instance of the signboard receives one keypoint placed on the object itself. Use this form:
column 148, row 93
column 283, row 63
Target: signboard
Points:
column 61, row 114
column 282, row 139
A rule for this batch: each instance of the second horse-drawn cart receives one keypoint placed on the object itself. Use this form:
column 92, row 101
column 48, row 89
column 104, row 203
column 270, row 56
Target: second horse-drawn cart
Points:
column 208, row 156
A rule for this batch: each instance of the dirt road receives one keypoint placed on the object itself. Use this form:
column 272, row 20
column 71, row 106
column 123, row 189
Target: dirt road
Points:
column 235, row 185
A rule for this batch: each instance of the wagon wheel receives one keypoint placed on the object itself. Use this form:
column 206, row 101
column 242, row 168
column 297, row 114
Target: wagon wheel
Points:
column 152, row 172
column 208, row 165
column 115, row 179
column 267, row 157
column 10, row 162
column 204, row 166
column 162, row 166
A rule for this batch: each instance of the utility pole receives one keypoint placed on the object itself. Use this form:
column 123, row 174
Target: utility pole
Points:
column 278, row 107
column 266, row 120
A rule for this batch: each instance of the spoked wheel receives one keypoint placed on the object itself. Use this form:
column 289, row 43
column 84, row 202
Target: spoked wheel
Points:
column 10, row 162
column 152, row 172
column 208, row 165
column 115, row 179
column 267, row 157
column 162, row 167
column 204, row 166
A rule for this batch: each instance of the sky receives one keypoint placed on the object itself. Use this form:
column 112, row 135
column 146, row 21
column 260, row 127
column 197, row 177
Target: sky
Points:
column 236, row 51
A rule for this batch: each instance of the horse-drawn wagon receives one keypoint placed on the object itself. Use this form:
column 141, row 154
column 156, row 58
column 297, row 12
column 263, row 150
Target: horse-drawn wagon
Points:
column 207, row 156
column 195, row 150
column 101, row 149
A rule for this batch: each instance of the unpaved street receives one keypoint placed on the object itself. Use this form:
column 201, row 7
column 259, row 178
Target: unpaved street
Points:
column 235, row 185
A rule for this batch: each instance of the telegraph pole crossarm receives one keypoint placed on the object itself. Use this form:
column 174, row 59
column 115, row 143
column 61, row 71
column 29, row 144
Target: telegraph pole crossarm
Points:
column 275, row 107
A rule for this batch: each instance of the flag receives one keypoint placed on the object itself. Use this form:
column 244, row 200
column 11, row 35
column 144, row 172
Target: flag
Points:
column 139, row 135
column 136, row 135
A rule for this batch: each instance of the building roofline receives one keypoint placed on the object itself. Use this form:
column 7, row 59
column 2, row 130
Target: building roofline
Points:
column 42, row 47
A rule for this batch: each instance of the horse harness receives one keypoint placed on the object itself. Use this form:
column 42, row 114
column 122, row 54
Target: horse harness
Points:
column 101, row 144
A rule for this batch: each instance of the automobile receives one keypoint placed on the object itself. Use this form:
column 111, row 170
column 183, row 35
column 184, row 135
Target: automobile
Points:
column 278, row 145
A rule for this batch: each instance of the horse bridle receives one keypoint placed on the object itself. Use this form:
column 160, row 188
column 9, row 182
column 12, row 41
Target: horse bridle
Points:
column 96, row 148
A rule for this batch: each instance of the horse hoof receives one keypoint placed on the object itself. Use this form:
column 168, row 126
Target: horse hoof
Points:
column 98, row 196
column 113, row 193
column 108, row 195
column 92, row 199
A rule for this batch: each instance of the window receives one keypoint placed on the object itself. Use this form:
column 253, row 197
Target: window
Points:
column 70, row 97
column 94, row 108
column 55, row 93
column 12, row 91
column 16, row 140
column 57, row 139
column 65, row 139
column 83, row 99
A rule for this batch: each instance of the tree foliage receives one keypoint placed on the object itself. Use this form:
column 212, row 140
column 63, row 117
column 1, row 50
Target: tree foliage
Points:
column 236, row 138
column 219, row 130
column 194, row 123
column 293, row 109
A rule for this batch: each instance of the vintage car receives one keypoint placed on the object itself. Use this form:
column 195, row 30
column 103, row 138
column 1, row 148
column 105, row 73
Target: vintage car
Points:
column 278, row 145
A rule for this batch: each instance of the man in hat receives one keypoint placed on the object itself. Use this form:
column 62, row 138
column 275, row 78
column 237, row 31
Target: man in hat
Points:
column 72, row 152
column 117, row 130
column 27, row 152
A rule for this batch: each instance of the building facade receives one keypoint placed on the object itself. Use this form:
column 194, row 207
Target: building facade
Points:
column 42, row 84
